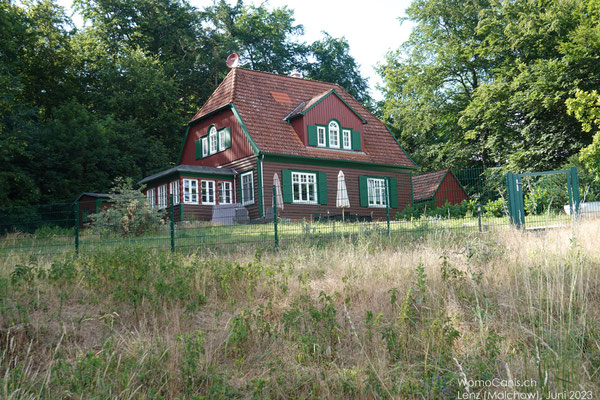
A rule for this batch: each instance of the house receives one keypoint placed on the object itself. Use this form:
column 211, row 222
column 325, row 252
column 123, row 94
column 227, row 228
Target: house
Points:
column 441, row 186
column 258, row 124
column 91, row 203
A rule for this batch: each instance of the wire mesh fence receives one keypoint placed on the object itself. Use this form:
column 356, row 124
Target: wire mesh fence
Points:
column 218, row 216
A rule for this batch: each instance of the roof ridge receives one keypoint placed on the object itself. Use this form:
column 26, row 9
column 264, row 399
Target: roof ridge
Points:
column 234, row 77
column 287, row 76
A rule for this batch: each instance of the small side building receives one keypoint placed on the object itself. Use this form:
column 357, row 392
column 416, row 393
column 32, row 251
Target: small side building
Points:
column 92, row 203
column 440, row 185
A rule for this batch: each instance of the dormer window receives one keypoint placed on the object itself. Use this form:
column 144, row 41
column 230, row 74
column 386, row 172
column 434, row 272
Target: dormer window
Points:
column 328, row 136
column 321, row 140
column 334, row 135
column 213, row 142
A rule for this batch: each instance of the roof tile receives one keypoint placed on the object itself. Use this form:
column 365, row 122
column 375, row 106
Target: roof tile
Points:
column 425, row 185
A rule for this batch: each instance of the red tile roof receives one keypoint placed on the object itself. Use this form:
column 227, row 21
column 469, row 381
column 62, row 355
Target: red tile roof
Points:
column 425, row 186
column 251, row 93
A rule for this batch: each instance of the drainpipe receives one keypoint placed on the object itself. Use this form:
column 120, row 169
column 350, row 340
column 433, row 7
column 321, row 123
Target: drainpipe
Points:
column 262, row 188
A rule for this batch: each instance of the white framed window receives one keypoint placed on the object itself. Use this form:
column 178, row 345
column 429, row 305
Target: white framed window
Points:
column 208, row 192
column 376, row 192
column 212, row 139
column 334, row 135
column 321, row 136
column 346, row 139
column 174, row 187
column 247, row 182
column 205, row 146
column 190, row 191
column 150, row 197
column 162, row 196
column 304, row 188
column 225, row 193
column 222, row 139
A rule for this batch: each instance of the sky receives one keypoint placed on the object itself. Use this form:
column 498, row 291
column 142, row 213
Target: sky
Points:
column 371, row 27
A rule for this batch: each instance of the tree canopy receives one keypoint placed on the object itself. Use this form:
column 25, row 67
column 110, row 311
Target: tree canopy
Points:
column 485, row 83
column 81, row 106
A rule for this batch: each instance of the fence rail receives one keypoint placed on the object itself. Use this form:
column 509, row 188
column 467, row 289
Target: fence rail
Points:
column 473, row 200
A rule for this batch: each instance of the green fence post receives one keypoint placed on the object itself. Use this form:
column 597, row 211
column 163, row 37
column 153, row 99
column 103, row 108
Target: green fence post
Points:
column 575, row 189
column 387, row 203
column 172, row 218
column 77, row 228
column 275, row 217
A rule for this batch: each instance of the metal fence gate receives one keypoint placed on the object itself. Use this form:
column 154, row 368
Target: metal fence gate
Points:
column 514, row 187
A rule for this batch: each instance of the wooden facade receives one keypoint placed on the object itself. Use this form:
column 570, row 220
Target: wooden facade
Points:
column 300, row 211
column 450, row 190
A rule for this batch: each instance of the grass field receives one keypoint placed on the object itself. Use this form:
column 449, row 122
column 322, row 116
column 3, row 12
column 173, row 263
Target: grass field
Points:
column 362, row 317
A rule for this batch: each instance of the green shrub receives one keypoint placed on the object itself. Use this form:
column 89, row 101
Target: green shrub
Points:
column 129, row 214
column 429, row 208
column 549, row 192
column 496, row 208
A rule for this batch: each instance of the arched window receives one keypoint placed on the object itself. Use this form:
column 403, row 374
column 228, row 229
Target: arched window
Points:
column 212, row 138
column 334, row 135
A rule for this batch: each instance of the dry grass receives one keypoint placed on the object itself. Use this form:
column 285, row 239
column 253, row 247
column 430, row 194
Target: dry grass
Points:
column 349, row 320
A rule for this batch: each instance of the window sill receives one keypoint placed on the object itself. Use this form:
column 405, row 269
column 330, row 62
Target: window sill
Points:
column 337, row 149
column 190, row 202
column 377, row 206
column 310, row 203
column 247, row 203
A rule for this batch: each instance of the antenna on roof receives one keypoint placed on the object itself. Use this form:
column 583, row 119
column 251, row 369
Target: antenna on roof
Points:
column 233, row 60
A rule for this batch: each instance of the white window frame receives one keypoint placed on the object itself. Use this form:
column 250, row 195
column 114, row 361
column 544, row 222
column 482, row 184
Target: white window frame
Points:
column 225, row 192
column 162, row 196
column 346, row 134
column 321, row 131
column 212, row 140
column 334, row 133
column 307, row 180
column 150, row 197
column 190, row 191
column 222, row 140
column 205, row 146
column 250, row 200
column 208, row 192
column 174, row 188
column 376, row 192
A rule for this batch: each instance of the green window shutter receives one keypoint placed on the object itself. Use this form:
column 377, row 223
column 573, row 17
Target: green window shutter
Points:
column 356, row 140
column 198, row 149
column 286, row 185
column 364, row 191
column 393, row 183
column 322, row 187
column 312, row 135
column 227, row 138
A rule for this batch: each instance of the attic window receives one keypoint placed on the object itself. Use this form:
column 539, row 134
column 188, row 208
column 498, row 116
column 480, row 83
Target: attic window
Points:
column 282, row 98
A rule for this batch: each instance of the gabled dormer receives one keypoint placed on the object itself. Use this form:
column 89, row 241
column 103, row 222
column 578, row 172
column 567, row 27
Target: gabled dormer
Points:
column 326, row 121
